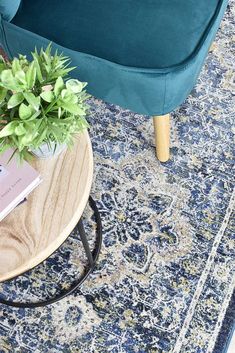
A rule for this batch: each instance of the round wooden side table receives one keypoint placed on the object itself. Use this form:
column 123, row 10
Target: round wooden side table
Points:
column 37, row 228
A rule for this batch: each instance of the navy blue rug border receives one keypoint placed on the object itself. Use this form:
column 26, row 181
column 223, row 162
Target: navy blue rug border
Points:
column 227, row 329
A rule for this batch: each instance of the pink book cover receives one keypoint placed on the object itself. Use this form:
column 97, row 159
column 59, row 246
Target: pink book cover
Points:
column 15, row 179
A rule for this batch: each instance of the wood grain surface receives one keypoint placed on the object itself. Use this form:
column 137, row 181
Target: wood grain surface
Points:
column 36, row 228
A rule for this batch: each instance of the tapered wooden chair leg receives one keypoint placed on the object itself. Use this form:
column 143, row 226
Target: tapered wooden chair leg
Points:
column 162, row 136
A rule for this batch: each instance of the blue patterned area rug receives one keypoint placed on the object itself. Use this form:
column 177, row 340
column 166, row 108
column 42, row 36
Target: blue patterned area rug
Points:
column 165, row 276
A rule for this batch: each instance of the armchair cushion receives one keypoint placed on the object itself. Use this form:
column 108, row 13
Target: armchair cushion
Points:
column 141, row 55
column 147, row 34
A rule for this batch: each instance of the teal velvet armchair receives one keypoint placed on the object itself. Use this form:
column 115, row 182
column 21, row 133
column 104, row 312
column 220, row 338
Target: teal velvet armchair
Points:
column 142, row 55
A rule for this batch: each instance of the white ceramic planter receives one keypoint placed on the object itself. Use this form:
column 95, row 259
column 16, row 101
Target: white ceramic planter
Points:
column 46, row 152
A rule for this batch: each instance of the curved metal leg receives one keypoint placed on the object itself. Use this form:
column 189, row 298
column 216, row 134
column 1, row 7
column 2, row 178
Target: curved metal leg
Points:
column 85, row 243
column 92, row 257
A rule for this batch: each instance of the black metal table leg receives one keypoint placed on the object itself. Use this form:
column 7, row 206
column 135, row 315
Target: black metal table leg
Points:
column 92, row 257
column 85, row 242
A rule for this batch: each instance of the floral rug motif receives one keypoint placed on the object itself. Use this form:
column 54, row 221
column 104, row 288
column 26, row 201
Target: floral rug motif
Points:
column 165, row 275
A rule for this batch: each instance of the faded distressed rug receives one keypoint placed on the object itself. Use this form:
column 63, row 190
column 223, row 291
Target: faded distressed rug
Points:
column 165, row 275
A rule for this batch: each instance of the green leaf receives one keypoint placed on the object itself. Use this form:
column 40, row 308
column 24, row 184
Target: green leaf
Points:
column 47, row 57
column 9, row 129
column 25, row 111
column 26, row 139
column 40, row 138
column 38, row 68
column 59, row 112
column 32, row 100
column 73, row 108
column 2, row 66
column 6, row 75
column 3, row 93
column 20, row 130
column 48, row 49
column 57, row 133
column 68, row 96
column 15, row 65
column 31, row 76
column 15, row 100
column 8, row 80
column 34, row 116
column 75, row 85
column 20, row 76
column 62, row 72
column 57, row 121
column 47, row 68
column 4, row 147
column 59, row 85
column 47, row 96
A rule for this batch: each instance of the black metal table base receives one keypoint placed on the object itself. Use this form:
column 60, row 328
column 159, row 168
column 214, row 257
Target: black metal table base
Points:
column 92, row 257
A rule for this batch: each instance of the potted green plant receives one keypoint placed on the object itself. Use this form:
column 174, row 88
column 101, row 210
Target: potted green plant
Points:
column 40, row 110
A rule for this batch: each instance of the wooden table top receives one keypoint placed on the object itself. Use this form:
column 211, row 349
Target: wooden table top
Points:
column 36, row 228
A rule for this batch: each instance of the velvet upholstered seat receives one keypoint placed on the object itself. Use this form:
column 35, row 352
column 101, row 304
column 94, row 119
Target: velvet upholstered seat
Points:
column 142, row 55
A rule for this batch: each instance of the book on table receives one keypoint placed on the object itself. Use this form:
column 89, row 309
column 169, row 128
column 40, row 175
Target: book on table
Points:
column 17, row 180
